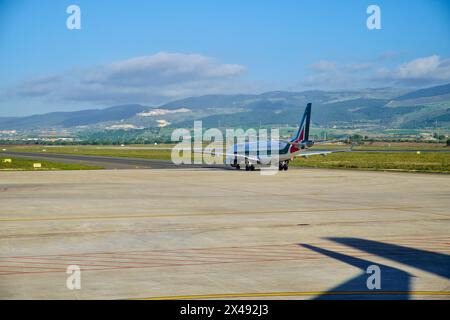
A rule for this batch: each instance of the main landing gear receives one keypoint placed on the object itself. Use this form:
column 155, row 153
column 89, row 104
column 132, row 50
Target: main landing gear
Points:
column 249, row 167
column 283, row 165
column 236, row 165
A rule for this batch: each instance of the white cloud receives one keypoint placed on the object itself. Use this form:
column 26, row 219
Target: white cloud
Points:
column 389, row 55
column 161, row 69
column 332, row 75
column 421, row 71
column 147, row 79
column 424, row 71
column 323, row 66
column 36, row 86
column 357, row 67
column 162, row 77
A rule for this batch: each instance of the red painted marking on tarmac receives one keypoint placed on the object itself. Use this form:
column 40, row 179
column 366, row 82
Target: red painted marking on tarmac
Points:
column 31, row 267
column 138, row 260
column 215, row 249
column 168, row 265
column 45, row 261
column 228, row 255
column 155, row 250
column 156, row 257
column 63, row 265
column 189, row 256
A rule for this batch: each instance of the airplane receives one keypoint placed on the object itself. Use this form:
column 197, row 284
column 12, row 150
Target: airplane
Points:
column 260, row 153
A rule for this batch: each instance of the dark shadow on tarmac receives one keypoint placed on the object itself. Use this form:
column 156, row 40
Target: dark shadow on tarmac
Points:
column 436, row 263
column 395, row 283
column 392, row 279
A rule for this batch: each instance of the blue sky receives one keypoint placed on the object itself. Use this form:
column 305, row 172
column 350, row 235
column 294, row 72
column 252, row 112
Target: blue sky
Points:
column 153, row 51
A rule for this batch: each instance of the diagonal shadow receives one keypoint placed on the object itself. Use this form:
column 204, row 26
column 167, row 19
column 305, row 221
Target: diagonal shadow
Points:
column 436, row 263
column 392, row 280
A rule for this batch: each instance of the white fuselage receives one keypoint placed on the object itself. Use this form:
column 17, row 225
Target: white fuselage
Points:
column 266, row 152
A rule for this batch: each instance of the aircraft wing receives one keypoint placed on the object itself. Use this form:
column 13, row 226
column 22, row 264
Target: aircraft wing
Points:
column 326, row 141
column 196, row 150
column 320, row 152
column 239, row 156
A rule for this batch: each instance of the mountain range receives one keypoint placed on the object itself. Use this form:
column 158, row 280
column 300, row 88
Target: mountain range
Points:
column 383, row 107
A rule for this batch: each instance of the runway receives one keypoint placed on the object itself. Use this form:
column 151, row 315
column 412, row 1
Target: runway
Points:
column 107, row 162
column 214, row 234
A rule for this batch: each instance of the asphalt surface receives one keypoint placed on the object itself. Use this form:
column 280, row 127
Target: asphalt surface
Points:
column 109, row 162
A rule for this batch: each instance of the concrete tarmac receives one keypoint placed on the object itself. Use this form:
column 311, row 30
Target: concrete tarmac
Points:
column 205, row 234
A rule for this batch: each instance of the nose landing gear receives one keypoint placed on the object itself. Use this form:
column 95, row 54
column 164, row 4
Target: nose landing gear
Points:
column 236, row 164
column 284, row 165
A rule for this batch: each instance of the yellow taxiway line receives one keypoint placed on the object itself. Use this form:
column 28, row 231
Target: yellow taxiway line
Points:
column 293, row 294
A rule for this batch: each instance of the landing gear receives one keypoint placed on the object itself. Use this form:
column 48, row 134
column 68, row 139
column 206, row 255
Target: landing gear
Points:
column 283, row 165
column 236, row 164
column 249, row 167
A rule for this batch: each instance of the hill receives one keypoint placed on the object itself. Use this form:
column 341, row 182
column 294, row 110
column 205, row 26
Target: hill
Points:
column 425, row 93
column 383, row 108
column 71, row 119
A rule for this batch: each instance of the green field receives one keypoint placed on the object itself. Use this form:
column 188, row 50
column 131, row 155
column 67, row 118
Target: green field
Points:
column 403, row 146
column 27, row 165
column 400, row 161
